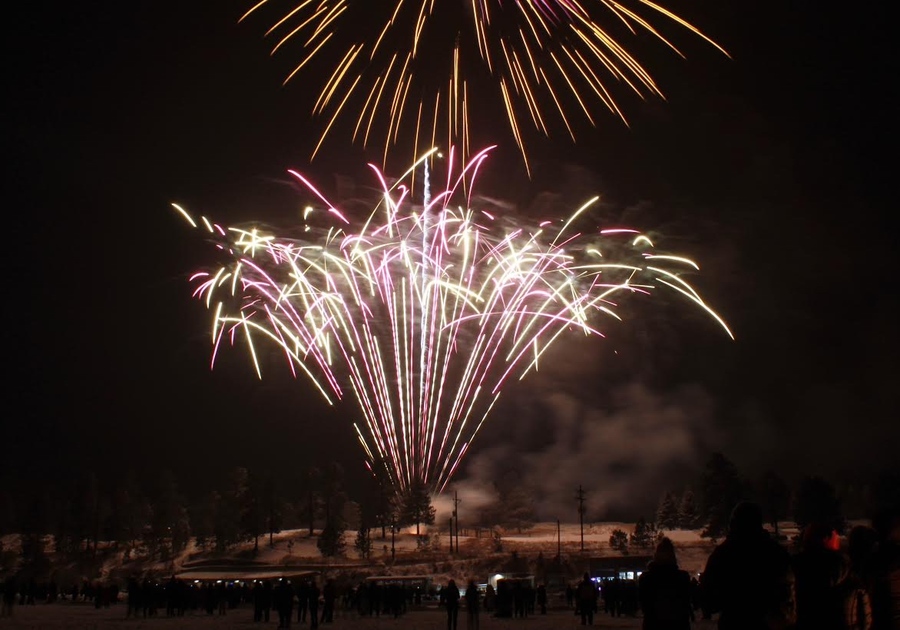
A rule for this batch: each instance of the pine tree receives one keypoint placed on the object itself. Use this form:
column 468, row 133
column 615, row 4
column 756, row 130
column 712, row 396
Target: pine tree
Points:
column 775, row 498
column 721, row 490
column 618, row 540
column 517, row 510
column 643, row 534
column 363, row 542
column 331, row 540
column 667, row 512
column 687, row 510
column 416, row 507
column 817, row 502
column 170, row 518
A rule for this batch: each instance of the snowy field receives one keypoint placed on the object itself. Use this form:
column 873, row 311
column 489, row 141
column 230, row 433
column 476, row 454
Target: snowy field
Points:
column 85, row 617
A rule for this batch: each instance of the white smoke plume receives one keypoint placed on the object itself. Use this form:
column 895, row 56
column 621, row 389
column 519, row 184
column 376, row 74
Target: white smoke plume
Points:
column 625, row 444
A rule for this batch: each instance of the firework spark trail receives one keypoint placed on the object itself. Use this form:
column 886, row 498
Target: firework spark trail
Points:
column 427, row 61
column 425, row 312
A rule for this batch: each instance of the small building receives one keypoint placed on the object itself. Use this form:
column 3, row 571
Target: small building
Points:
column 622, row 567
column 525, row 578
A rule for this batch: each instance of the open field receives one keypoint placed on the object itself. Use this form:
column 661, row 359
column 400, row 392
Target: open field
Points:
column 478, row 554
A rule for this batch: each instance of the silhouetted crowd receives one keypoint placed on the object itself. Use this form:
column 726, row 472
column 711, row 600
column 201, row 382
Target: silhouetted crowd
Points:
column 751, row 582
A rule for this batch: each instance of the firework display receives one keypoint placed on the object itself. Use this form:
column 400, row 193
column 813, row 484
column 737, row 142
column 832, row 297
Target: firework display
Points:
column 421, row 312
column 428, row 65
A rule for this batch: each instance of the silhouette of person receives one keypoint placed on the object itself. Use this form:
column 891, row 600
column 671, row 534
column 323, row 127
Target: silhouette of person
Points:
column 472, row 606
column 885, row 570
column 284, row 602
column 302, row 601
column 819, row 570
column 665, row 591
column 748, row 577
column 329, row 594
column 451, row 601
column 587, row 600
column 9, row 597
column 542, row 598
column 313, row 600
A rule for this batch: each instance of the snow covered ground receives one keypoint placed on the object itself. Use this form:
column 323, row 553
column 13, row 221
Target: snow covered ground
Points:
column 477, row 559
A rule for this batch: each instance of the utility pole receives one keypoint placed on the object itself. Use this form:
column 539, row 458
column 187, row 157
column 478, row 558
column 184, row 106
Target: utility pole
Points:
column 393, row 552
column 451, row 534
column 558, row 543
column 580, row 498
column 456, row 502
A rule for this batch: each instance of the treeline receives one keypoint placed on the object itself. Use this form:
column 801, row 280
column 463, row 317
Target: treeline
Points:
column 78, row 517
column 708, row 503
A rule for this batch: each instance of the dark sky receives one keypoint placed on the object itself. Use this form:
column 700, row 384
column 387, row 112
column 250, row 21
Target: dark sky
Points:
column 772, row 166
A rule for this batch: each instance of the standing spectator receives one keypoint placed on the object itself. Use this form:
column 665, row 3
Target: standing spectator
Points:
column 819, row 570
column 222, row 600
column 171, row 591
column 451, row 601
column 9, row 597
column 267, row 599
column 490, row 595
column 665, row 591
column 518, row 592
column 284, row 602
column 857, row 587
column 329, row 595
column 886, row 571
column 748, row 577
column 612, row 596
column 302, row 601
column 472, row 605
column 695, row 595
column 313, row 600
column 134, row 597
column 542, row 598
column 257, row 596
column 587, row 600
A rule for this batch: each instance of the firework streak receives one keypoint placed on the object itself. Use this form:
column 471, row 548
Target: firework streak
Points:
column 432, row 64
column 425, row 311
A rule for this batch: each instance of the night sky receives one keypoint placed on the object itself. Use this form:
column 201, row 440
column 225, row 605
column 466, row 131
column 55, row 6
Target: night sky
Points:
column 772, row 169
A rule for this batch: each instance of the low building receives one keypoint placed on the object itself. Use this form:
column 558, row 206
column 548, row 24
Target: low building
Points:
column 622, row 567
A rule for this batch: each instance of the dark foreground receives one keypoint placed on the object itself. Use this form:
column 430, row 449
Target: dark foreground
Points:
column 84, row 617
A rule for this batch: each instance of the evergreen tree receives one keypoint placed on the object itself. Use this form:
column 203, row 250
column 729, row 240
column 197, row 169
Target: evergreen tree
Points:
column 226, row 520
column 170, row 526
column 775, row 498
column 363, row 542
column 721, row 490
column 331, row 540
column 618, row 540
column 126, row 518
column 8, row 518
column 416, row 507
column 203, row 520
column 516, row 510
column 313, row 480
column 386, row 506
column 817, row 502
column 93, row 510
column 667, row 512
column 334, row 499
column 687, row 511
column 274, row 507
column 643, row 535
column 251, row 506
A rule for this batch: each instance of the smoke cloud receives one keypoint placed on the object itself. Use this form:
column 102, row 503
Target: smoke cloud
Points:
column 624, row 444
